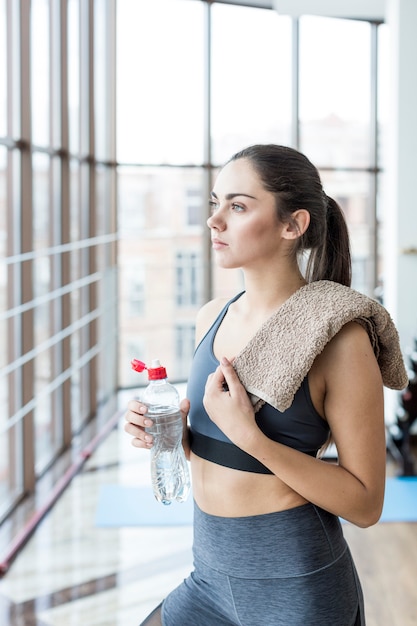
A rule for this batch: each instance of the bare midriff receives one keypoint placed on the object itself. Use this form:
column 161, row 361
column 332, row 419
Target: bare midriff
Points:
column 227, row 492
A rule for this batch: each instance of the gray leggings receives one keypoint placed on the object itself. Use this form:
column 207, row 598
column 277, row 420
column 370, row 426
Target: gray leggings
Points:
column 291, row 568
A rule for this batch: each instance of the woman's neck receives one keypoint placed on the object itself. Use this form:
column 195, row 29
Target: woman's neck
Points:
column 266, row 293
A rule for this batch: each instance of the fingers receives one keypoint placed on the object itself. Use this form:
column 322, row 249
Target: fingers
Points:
column 136, row 422
column 224, row 378
column 184, row 408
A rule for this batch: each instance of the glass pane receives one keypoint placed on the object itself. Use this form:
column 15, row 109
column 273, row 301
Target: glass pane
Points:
column 383, row 198
column 335, row 88
column 3, row 239
column 43, row 374
column 4, row 457
column 74, row 200
column 41, row 205
column 43, row 328
column 160, row 81
column 84, row 297
column 160, row 263
column 40, row 60
column 353, row 192
column 107, row 289
column 4, row 451
column 74, row 74
column 251, row 79
column 10, row 462
column 75, row 273
column 3, row 69
column 102, row 73
column 384, row 96
column 104, row 201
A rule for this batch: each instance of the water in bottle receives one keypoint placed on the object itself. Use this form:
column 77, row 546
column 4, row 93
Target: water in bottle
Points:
column 169, row 469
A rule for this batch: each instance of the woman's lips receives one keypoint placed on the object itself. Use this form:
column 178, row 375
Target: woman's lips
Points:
column 218, row 244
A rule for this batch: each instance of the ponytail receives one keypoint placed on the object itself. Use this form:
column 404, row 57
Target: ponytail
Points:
column 332, row 260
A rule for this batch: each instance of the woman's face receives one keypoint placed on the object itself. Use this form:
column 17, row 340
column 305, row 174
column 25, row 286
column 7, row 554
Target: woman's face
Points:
column 245, row 229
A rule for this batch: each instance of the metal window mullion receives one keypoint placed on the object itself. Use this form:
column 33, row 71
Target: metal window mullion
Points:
column 374, row 158
column 207, row 266
column 85, row 381
column 295, row 84
column 92, row 224
column 110, row 273
column 55, row 307
column 14, row 380
column 111, row 90
column 26, row 234
column 65, row 223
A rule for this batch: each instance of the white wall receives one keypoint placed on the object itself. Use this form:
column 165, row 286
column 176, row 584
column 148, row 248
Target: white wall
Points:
column 400, row 217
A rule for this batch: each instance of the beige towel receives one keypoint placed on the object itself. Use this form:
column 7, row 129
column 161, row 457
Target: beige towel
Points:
column 276, row 360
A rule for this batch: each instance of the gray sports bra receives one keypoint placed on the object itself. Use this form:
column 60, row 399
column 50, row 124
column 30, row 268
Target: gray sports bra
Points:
column 299, row 427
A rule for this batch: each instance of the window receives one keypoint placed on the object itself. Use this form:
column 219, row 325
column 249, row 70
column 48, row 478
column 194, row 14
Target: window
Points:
column 194, row 207
column 335, row 91
column 57, row 232
column 185, row 344
column 251, row 80
column 136, row 289
column 159, row 260
column 160, row 81
column 187, row 275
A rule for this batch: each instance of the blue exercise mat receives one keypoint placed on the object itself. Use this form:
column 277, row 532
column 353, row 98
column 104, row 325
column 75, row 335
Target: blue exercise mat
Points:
column 121, row 505
column 400, row 503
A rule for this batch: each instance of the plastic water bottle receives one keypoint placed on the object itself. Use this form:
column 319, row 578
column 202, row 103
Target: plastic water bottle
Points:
column 169, row 470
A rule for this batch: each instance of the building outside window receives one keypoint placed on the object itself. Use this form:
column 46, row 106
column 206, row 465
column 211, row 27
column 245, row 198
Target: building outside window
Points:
column 184, row 347
column 187, row 270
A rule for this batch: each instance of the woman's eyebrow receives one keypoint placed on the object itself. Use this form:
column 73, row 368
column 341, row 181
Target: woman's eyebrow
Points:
column 230, row 196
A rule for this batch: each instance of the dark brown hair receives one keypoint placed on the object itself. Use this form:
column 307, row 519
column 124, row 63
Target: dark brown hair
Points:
column 296, row 184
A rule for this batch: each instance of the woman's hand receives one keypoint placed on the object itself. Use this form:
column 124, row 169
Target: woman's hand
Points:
column 137, row 421
column 228, row 405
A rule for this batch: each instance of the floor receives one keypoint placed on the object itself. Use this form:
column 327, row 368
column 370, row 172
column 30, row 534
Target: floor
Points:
column 73, row 573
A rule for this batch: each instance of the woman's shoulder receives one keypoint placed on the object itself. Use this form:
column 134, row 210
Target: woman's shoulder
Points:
column 349, row 351
column 351, row 336
column 347, row 363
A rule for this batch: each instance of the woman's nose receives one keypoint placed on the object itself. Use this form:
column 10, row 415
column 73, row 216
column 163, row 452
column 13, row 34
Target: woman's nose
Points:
column 216, row 221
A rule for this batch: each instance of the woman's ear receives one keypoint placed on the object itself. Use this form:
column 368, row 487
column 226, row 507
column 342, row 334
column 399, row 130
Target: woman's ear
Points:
column 297, row 226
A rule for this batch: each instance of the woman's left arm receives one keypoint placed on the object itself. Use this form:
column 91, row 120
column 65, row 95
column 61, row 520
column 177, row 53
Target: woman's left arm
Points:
column 353, row 406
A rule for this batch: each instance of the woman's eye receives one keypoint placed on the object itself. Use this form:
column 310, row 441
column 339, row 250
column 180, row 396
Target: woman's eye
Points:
column 237, row 208
column 213, row 205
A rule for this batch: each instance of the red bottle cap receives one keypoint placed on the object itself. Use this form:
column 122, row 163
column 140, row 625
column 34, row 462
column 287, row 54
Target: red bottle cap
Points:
column 137, row 365
column 157, row 372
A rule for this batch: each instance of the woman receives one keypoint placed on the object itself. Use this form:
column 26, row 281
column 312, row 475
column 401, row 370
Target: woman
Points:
column 268, row 545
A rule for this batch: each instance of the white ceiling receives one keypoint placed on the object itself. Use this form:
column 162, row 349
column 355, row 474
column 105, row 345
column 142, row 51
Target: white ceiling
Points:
column 359, row 9
column 365, row 9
